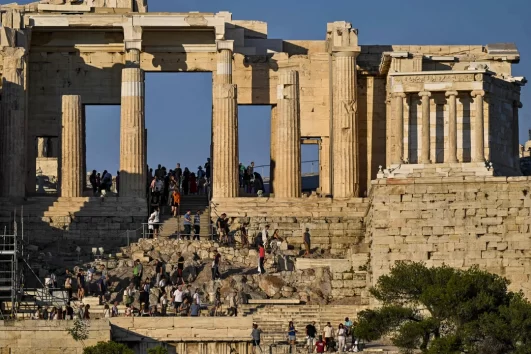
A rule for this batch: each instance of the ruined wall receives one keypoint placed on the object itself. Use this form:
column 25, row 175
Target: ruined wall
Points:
column 48, row 337
column 458, row 221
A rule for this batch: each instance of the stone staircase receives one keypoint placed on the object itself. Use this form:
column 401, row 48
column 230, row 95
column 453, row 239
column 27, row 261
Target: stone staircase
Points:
column 171, row 227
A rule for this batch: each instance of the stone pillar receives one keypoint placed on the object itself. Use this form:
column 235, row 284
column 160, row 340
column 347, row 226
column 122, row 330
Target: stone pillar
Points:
column 451, row 156
column 13, row 142
column 397, row 157
column 288, row 154
column 273, row 149
column 479, row 130
column 225, row 140
column 41, row 146
column 224, row 62
column 425, row 151
column 72, row 147
column 132, row 130
column 516, row 144
column 345, row 141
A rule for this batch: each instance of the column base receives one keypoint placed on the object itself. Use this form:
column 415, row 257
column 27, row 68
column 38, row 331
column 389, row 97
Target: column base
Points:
column 447, row 169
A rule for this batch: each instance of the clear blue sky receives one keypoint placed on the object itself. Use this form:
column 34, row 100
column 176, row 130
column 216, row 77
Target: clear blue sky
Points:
column 180, row 104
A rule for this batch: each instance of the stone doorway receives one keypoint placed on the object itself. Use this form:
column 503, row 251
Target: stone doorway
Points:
column 310, row 167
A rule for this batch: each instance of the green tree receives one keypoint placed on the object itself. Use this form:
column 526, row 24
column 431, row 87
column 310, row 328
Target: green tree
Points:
column 158, row 350
column 108, row 348
column 79, row 330
column 447, row 310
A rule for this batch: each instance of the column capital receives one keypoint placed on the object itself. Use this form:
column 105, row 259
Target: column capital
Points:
column 477, row 93
column 424, row 93
column 451, row 93
column 517, row 104
column 398, row 94
column 347, row 52
column 225, row 45
column 132, row 36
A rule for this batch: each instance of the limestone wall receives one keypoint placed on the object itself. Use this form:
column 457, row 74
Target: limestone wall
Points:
column 48, row 337
column 458, row 221
column 334, row 225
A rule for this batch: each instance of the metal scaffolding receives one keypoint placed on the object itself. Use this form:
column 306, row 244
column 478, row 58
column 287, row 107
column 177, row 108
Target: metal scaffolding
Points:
column 11, row 254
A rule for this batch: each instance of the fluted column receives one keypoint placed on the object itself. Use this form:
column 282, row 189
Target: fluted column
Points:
column 132, row 131
column 479, row 130
column 288, row 156
column 13, row 142
column 224, row 62
column 41, row 146
column 516, row 144
column 72, row 156
column 398, row 111
column 225, row 141
column 452, row 127
column 273, row 149
column 345, row 142
column 425, row 151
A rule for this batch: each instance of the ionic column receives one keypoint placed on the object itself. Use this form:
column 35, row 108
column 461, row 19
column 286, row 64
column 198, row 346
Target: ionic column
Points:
column 224, row 62
column 288, row 154
column 452, row 127
column 225, row 140
column 398, row 111
column 425, row 151
column 72, row 147
column 479, row 130
column 132, row 130
column 13, row 142
column 345, row 142
column 516, row 144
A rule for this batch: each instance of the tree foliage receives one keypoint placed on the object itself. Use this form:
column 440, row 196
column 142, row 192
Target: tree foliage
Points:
column 447, row 310
column 158, row 350
column 79, row 330
column 108, row 348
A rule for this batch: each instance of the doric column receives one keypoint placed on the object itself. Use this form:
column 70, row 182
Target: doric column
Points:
column 516, row 144
column 345, row 142
column 273, row 149
column 72, row 147
column 425, row 151
column 288, row 155
column 398, row 111
column 479, row 130
column 225, row 141
column 13, row 140
column 452, row 127
column 41, row 146
column 224, row 61
column 132, row 129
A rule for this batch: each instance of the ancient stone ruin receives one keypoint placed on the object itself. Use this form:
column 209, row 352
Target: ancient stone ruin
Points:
column 418, row 153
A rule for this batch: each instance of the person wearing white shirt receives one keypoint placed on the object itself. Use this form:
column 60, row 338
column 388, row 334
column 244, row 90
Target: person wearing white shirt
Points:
column 265, row 234
column 177, row 298
column 196, row 297
column 153, row 221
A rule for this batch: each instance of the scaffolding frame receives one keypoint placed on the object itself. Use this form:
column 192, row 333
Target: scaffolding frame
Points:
column 11, row 278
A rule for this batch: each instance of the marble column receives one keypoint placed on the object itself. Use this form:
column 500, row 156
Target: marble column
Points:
column 13, row 142
column 345, row 142
column 132, row 130
column 397, row 157
column 479, row 130
column 225, row 140
column 451, row 156
column 273, row 149
column 288, row 154
column 41, row 146
column 224, row 62
column 516, row 144
column 425, row 151
column 72, row 156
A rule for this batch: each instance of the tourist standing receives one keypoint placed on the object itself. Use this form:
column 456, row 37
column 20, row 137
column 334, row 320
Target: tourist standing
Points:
column 341, row 337
column 180, row 268
column 233, row 303
column 320, row 346
column 193, row 183
column 187, row 225
column 261, row 259
column 114, row 310
column 292, row 333
column 175, row 201
column 244, row 235
column 307, row 242
column 223, row 227
column 154, row 222
column 255, row 335
column 215, row 266
column 311, row 331
column 178, row 176
column 93, row 183
column 197, row 297
column 265, row 234
column 68, row 284
column 177, row 299
column 186, row 180
column 207, row 170
column 159, row 270
column 195, row 309
column 197, row 225
column 328, row 334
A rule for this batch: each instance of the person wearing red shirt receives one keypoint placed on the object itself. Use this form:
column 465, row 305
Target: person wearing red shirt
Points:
column 320, row 345
column 261, row 254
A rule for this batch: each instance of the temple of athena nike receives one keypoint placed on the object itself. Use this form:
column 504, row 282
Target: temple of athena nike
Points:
column 419, row 156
